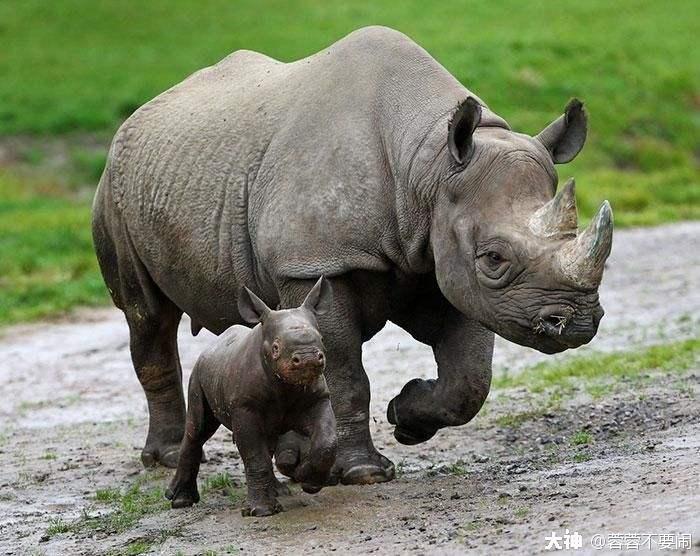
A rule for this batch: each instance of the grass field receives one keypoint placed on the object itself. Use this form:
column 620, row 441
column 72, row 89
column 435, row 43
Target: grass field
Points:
column 46, row 260
column 74, row 67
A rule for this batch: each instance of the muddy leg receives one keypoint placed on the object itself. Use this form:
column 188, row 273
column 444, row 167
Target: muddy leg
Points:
column 357, row 460
column 463, row 350
column 201, row 425
column 250, row 438
column 153, row 342
column 153, row 321
column 314, row 471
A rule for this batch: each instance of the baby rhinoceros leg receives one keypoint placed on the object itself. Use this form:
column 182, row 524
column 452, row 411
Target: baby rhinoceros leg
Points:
column 262, row 484
column 200, row 426
column 315, row 468
column 278, row 488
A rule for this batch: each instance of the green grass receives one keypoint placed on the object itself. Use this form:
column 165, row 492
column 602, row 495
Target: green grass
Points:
column 57, row 526
column 549, row 384
column 92, row 63
column 125, row 508
column 47, row 263
column 74, row 67
column 129, row 507
column 514, row 420
column 581, row 438
column 589, row 369
column 137, row 547
column 526, row 59
column 224, row 483
column 457, row 468
column 108, row 495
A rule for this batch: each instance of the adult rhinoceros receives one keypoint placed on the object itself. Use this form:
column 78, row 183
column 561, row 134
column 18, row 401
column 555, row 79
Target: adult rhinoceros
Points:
column 372, row 165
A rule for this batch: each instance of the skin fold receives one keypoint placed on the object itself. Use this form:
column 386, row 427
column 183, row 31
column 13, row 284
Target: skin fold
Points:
column 367, row 163
column 261, row 383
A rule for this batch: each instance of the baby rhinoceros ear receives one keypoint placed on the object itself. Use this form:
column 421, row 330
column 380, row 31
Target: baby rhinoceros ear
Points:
column 320, row 298
column 251, row 308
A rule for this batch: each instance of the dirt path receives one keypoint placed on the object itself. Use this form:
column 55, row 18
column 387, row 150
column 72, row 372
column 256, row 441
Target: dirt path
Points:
column 74, row 419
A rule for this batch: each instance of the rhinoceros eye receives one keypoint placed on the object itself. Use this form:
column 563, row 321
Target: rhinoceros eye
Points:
column 494, row 258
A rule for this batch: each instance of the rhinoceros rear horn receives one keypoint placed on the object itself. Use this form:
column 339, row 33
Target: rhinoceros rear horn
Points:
column 565, row 136
column 582, row 260
column 461, row 129
column 558, row 218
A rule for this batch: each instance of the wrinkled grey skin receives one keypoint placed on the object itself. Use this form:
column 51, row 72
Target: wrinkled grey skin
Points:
column 259, row 384
column 367, row 163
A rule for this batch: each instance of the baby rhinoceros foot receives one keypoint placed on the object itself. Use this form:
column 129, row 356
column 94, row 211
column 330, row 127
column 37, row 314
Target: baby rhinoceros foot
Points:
column 261, row 508
column 279, row 489
column 310, row 488
column 182, row 496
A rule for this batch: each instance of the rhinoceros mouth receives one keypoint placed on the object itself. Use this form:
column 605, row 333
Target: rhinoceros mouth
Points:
column 552, row 321
column 551, row 333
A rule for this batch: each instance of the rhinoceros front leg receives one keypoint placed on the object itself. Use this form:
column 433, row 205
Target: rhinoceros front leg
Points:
column 357, row 460
column 463, row 350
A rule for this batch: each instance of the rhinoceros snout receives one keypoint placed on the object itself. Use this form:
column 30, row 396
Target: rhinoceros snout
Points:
column 564, row 326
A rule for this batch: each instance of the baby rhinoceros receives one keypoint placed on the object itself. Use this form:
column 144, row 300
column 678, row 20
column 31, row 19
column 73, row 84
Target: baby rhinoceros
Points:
column 261, row 383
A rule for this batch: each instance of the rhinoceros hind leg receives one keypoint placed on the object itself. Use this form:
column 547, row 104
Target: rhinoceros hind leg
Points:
column 153, row 343
column 153, row 321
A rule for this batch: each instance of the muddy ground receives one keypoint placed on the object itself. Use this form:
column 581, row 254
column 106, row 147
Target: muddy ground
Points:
column 628, row 461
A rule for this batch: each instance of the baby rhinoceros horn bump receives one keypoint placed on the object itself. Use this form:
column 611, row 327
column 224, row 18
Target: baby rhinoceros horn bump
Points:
column 583, row 259
column 558, row 218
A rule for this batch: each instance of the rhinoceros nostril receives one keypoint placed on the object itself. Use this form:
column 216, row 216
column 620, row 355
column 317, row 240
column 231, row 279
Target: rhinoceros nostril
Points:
column 553, row 320
column 296, row 360
column 320, row 357
column 552, row 325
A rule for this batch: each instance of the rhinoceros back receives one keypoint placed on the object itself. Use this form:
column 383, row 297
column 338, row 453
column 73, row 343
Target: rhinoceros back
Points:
column 254, row 170
column 179, row 169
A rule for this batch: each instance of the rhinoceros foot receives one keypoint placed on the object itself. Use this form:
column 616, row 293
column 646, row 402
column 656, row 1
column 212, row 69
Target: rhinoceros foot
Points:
column 356, row 463
column 410, row 412
column 369, row 473
column 361, row 465
column 165, row 455
column 261, row 508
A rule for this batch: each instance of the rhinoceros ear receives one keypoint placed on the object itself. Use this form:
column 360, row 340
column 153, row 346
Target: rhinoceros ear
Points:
column 251, row 308
column 319, row 299
column 461, row 128
column 565, row 136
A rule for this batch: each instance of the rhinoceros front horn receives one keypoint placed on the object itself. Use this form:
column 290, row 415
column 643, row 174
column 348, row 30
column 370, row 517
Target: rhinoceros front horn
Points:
column 582, row 259
column 558, row 218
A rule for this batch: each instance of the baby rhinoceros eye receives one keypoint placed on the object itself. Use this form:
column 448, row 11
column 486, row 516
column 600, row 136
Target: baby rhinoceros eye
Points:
column 275, row 349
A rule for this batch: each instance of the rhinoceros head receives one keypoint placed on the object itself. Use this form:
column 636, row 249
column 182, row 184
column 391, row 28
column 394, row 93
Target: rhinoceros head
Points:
column 506, row 244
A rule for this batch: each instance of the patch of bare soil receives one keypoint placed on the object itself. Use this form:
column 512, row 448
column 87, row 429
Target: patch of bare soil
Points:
column 74, row 420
